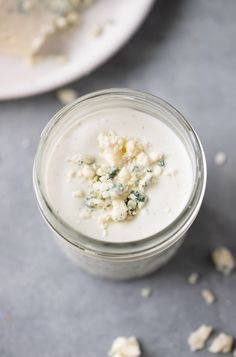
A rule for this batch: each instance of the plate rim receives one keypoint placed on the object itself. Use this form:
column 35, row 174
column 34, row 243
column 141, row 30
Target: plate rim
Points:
column 74, row 75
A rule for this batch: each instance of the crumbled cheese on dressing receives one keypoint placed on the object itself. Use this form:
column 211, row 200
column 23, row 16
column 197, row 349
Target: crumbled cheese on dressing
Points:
column 118, row 185
column 125, row 347
column 221, row 344
column 85, row 213
column 71, row 174
column 223, row 260
column 198, row 338
column 208, row 296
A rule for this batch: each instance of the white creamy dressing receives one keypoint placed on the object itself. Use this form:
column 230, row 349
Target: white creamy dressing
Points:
column 166, row 199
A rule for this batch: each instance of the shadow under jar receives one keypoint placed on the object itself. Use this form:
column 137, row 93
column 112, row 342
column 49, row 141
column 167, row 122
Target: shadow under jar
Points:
column 147, row 249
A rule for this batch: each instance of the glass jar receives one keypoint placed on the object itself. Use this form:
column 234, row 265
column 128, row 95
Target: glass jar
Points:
column 129, row 259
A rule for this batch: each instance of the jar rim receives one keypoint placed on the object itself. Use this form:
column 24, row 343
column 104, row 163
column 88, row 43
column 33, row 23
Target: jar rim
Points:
column 158, row 241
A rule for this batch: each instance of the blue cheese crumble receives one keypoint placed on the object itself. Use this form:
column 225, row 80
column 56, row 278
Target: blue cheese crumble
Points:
column 125, row 347
column 116, row 185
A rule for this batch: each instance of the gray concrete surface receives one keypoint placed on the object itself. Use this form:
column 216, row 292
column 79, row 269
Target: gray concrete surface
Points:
column 185, row 52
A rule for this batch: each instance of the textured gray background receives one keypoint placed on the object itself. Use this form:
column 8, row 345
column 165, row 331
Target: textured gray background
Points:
column 185, row 53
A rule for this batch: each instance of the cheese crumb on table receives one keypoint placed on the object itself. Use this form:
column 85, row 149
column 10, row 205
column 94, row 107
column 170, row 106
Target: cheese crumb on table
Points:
column 193, row 278
column 208, row 296
column 25, row 143
column 198, row 338
column 221, row 344
column 66, row 95
column 223, row 260
column 146, row 292
column 125, row 347
column 220, row 158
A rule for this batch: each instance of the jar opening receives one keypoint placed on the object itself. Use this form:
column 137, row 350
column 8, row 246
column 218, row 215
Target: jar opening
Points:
column 142, row 102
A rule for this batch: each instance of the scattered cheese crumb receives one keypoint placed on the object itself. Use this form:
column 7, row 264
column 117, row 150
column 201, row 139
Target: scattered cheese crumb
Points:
column 88, row 159
column 143, row 159
column 193, row 278
column 66, row 95
column 26, row 5
column 119, row 211
column 198, row 338
column 223, row 260
column 61, row 22
column 73, row 18
column 154, row 157
column 85, row 213
column 71, row 174
column 88, row 172
column 25, row 143
column 98, row 30
column 125, row 347
column 220, row 158
column 208, row 296
column 221, row 344
column 104, row 221
column 146, row 292
column 78, row 194
column 170, row 172
column 60, row 58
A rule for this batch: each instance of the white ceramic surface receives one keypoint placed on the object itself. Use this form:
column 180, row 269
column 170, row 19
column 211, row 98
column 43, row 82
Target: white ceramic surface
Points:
column 85, row 52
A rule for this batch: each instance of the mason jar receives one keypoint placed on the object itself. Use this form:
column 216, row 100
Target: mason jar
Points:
column 120, row 260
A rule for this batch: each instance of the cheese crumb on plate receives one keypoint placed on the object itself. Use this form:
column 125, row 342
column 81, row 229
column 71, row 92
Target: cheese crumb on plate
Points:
column 40, row 25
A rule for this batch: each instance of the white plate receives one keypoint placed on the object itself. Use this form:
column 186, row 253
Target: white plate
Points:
column 85, row 52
